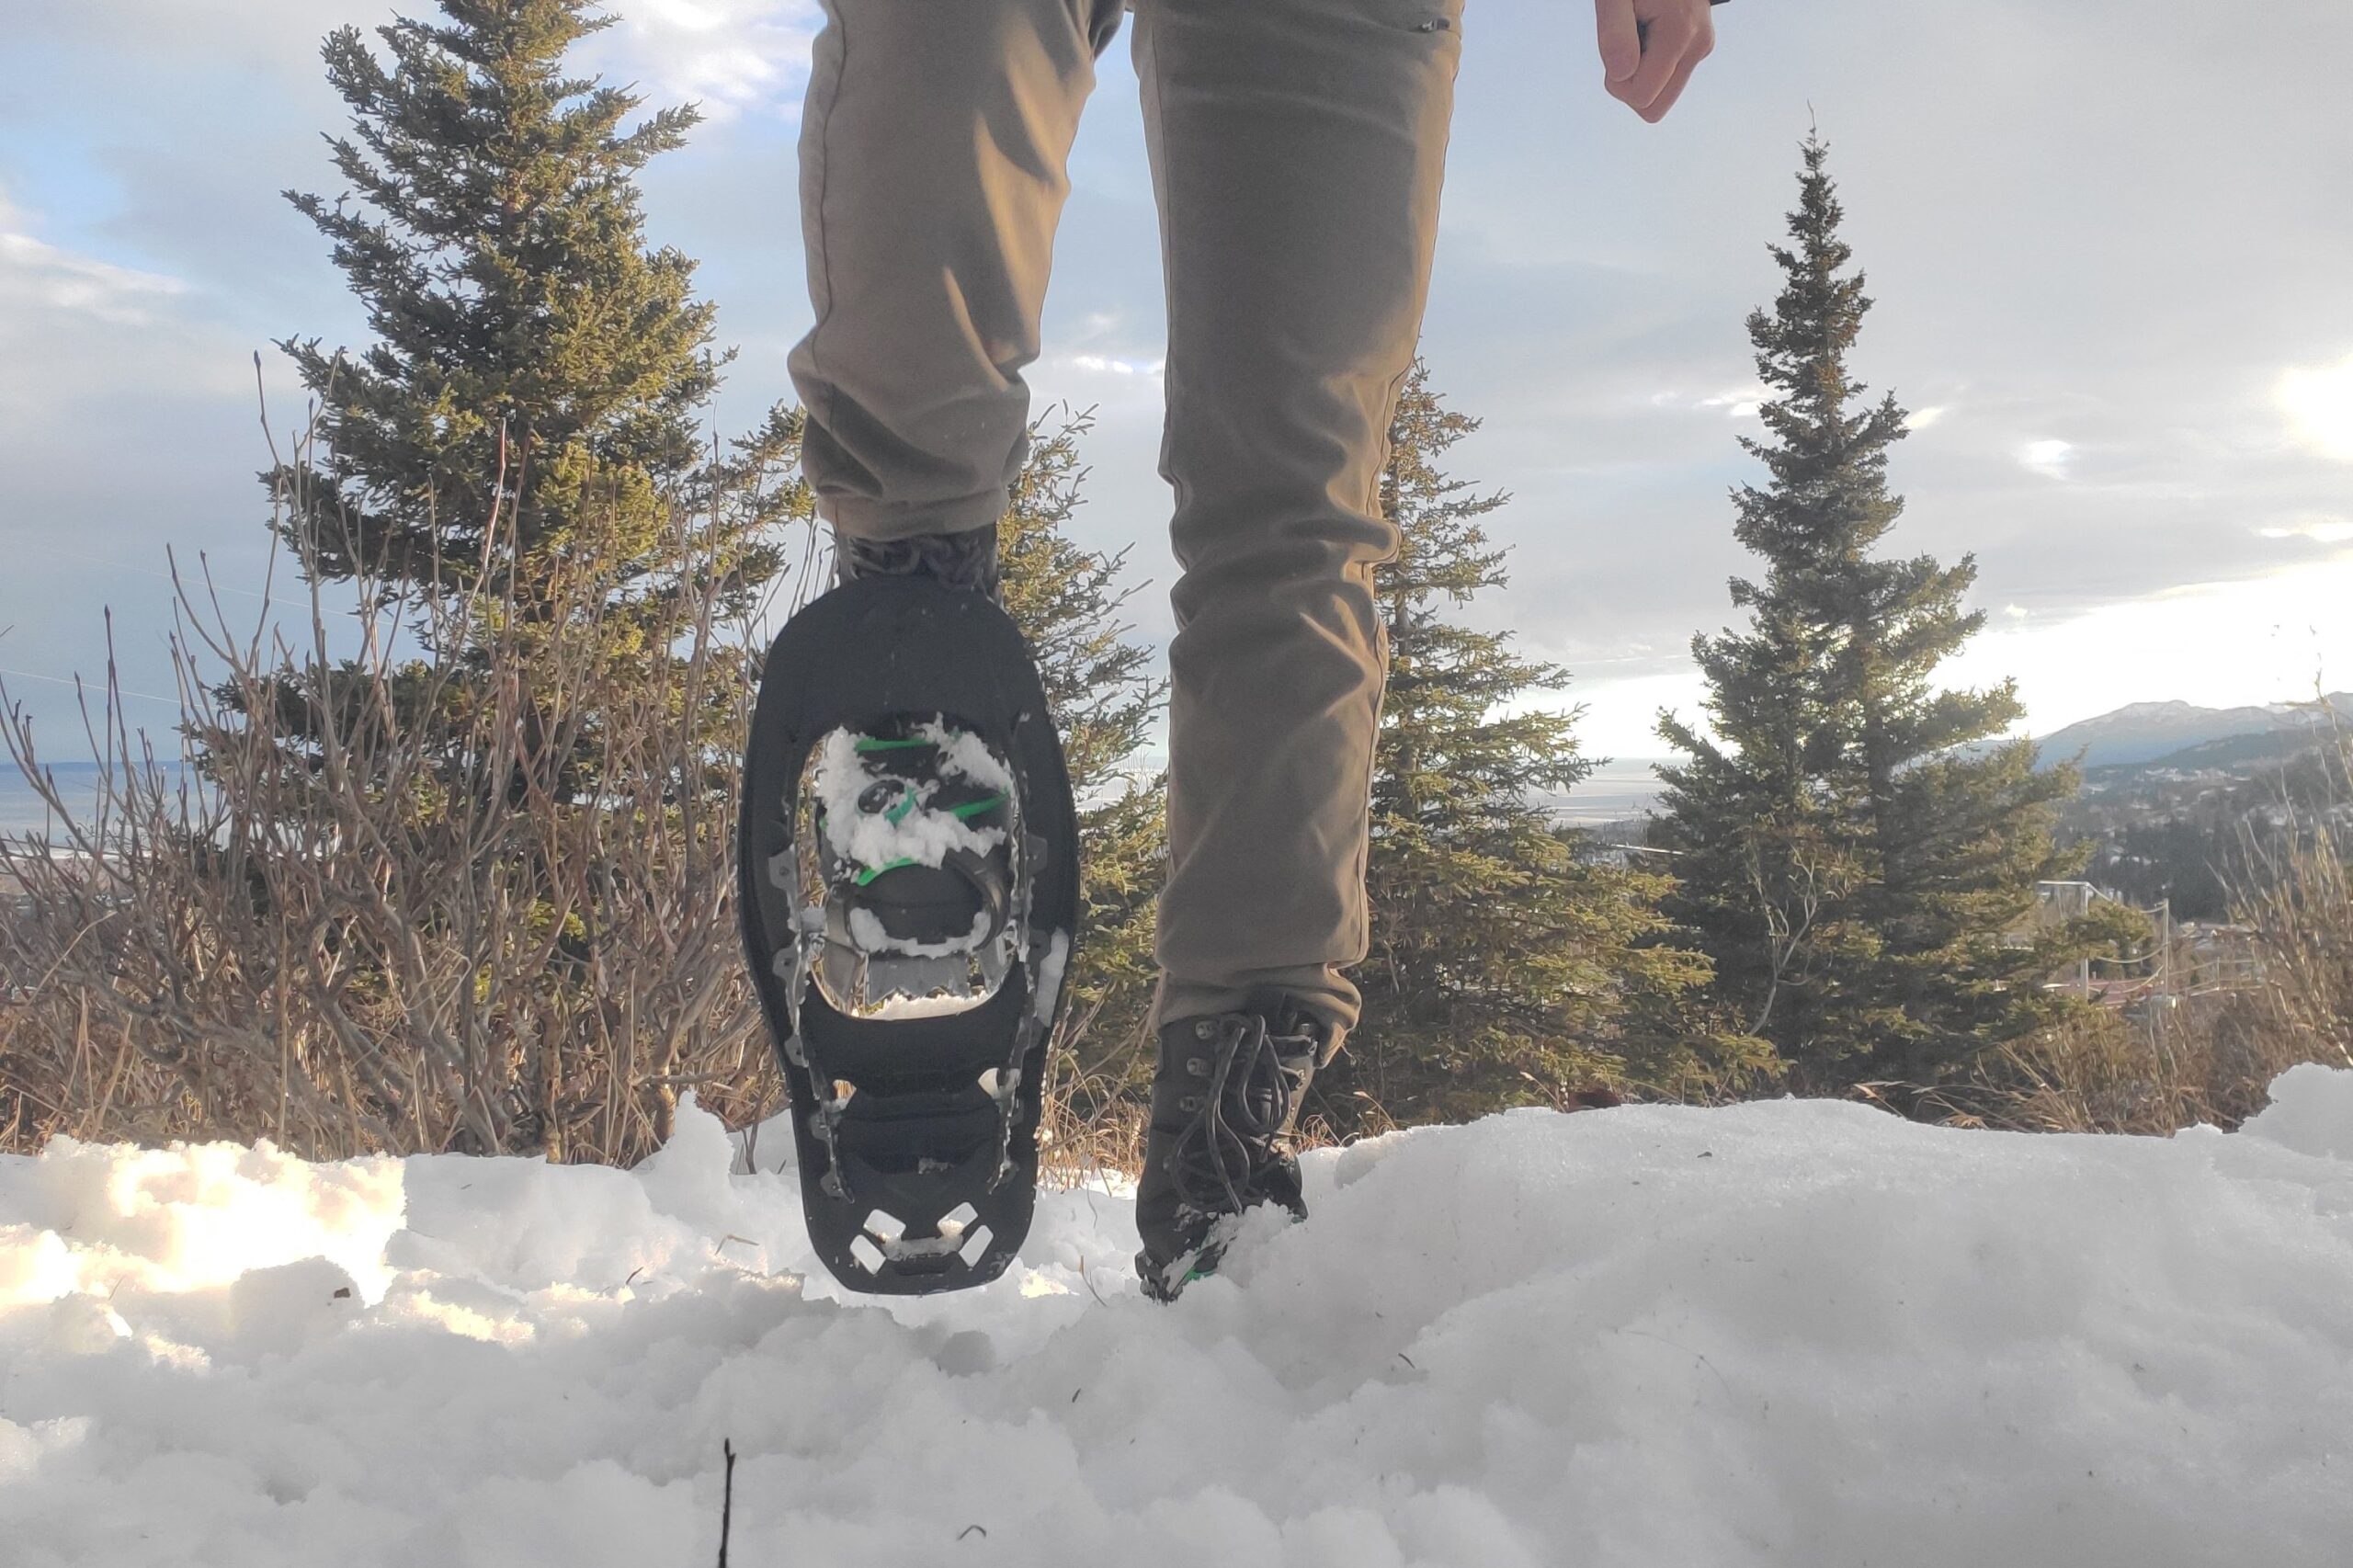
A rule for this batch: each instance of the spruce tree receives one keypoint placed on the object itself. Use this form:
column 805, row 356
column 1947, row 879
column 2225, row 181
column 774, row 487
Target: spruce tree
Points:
column 1846, row 857
column 542, row 734
column 532, row 388
column 1507, row 963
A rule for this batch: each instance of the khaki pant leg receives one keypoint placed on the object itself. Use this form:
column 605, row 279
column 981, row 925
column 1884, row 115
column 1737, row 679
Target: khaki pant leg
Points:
column 934, row 144
column 1297, row 148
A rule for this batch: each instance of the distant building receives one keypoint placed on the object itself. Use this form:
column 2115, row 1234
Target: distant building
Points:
column 2055, row 903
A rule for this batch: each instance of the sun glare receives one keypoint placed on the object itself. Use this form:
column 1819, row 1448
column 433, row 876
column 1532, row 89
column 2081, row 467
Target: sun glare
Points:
column 2319, row 405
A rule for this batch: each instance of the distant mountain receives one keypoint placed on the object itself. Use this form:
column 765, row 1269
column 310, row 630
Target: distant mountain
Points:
column 2146, row 731
column 2241, row 757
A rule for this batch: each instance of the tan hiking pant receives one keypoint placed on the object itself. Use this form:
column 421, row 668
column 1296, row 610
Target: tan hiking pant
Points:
column 1296, row 150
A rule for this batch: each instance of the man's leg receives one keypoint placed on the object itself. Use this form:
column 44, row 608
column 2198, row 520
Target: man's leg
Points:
column 1297, row 151
column 934, row 143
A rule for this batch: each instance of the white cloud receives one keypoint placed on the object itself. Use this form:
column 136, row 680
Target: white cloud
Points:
column 1738, row 403
column 2257, row 639
column 37, row 276
column 2319, row 405
column 727, row 55
column 78, row 334
column 1101, row 344
column 2320, row 527
column 1921, row 418
column 1104, row 364
column 2048, row 458
column 1621, row 716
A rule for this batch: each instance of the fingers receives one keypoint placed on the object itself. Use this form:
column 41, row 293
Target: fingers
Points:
column 1663, row 44
column 1673, row 88
column 1621, row 38
column 1671, row 42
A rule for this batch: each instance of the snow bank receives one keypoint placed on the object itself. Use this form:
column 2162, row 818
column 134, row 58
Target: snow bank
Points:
column 1787, row 1332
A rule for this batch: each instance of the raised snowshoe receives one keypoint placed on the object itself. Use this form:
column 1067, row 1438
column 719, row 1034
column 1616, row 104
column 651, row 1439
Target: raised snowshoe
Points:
column 908, row 884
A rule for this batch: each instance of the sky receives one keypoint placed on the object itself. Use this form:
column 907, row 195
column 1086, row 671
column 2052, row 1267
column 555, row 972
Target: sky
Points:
column 2108, row 244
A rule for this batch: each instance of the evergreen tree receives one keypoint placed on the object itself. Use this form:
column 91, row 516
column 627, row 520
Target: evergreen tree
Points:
column 1507, row 964
column 532, row 386
column 512, row 458
column 511, row 476
column 1847, row 863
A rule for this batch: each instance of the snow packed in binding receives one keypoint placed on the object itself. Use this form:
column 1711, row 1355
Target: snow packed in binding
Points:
column 909, row 893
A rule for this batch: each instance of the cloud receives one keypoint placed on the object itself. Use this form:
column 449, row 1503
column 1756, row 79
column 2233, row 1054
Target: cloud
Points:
column 37, row 277
column 727, row 55
column 126, row 420
column 2258, row 639
column 2319, row 405
column 1921, row 418
column 1096, row 352
column 2047, row 457
column 1741, row 403
column 282, row 36
column 2320, row 527
column 1101, row 364
column 78, row 335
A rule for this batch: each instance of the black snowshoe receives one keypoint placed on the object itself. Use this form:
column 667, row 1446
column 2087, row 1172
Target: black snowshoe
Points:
column 908, row 885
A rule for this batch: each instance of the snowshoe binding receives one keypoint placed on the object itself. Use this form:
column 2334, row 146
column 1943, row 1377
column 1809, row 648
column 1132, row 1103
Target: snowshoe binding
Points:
column 909, row 892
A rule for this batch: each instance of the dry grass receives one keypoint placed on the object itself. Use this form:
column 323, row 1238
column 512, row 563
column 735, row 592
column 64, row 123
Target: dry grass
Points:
column 469, row 889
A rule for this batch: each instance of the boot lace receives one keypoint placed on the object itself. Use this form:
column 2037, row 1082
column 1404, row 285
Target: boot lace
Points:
column 1248, row 1103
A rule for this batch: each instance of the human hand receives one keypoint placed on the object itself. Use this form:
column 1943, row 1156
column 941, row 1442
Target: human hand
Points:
column 1648, row 50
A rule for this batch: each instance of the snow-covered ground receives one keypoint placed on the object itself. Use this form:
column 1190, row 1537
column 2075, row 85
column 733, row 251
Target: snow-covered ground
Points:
column 1787, row 1332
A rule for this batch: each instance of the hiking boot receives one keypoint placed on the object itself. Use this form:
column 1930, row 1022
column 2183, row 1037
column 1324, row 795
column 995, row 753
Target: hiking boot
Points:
column 966, row 559
column 1223, row 1099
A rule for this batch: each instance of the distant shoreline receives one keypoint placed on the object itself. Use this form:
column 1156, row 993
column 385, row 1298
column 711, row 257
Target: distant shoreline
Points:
column 1626, row 788
column 22, row 810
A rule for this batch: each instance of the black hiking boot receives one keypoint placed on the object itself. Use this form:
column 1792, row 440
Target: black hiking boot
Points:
column 966, row 559
column 1222, row 1103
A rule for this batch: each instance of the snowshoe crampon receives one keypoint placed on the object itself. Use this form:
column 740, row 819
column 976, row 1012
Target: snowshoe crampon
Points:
column 908, row 892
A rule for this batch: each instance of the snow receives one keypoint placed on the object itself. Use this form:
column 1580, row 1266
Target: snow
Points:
column 873, row 838
column 1049, row 976
column 867, row 930
column 2311, row 1113
column 1790, row 1332
column 938, row 1004
column 963, row 751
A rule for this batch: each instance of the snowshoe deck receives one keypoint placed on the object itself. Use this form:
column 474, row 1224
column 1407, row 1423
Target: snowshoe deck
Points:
column 908, row 892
